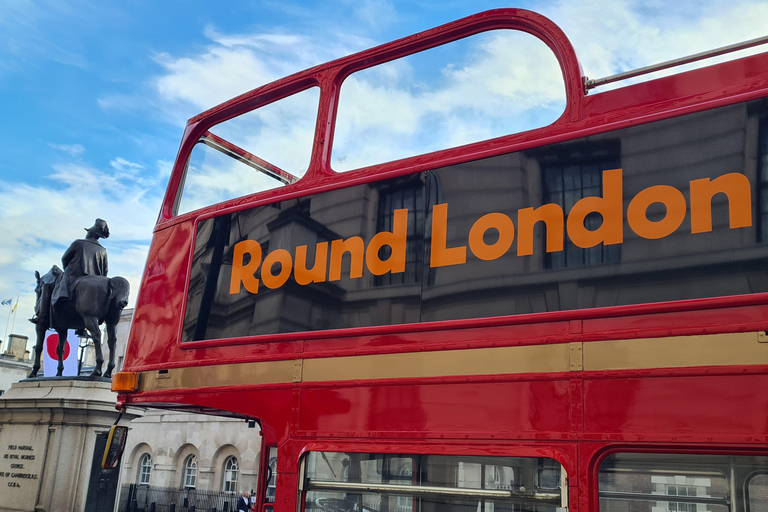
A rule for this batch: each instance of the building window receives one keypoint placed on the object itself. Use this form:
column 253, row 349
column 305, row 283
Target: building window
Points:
column 145, row 468
column 190, row 472
column 570, row 172
column 231, row 471
column 681, row 490
column 762, row 169
column 406, row 193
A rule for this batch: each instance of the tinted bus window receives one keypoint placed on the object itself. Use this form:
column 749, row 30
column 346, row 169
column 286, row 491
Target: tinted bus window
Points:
column 757, row 492
column 341, row 482
column 659, row 212
column 644, row 482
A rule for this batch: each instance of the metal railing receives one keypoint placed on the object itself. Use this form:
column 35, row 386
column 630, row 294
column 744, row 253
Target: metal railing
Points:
column 144, row 498
column 591, row 84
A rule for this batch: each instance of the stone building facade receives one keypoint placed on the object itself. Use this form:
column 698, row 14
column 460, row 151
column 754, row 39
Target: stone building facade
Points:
column 15, row 363
column 177, row 450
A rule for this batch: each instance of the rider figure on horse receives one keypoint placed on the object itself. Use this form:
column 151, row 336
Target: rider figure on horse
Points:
column 85, row 257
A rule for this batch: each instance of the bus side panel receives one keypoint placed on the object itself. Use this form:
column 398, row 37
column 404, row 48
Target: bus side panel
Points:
column 725, row 408
column 156, row 318
column 507, row 409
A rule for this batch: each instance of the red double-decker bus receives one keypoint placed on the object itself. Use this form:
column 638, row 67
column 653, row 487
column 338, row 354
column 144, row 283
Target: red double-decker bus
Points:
column 556, row 301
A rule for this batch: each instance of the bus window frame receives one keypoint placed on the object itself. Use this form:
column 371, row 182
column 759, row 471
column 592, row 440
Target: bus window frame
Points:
column 198, row 128
column 564, row 454
column 747, row 482
column 264, row 474
column 598, row 457
column 330, row 76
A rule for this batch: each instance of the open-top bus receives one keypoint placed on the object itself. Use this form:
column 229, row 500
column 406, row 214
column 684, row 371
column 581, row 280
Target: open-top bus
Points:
column 461, row 309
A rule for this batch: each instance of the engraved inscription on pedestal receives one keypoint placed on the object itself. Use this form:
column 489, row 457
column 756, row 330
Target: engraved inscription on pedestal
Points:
column 19, row 458
column 22, row 451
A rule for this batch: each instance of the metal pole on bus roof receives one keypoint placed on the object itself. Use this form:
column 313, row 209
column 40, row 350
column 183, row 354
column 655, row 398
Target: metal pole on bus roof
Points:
column 591, row 84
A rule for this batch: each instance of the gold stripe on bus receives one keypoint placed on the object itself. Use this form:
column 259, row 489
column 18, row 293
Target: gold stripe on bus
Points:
column 452, row 363
column 246, row 374
column 731, row 349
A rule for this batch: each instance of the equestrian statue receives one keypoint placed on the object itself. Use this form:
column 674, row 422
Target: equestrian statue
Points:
column 80, row 297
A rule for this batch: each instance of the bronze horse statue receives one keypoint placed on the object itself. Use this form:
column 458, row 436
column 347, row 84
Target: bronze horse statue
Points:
column 95, row 300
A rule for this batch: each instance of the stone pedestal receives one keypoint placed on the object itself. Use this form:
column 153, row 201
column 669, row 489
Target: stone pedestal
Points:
column 48, row 431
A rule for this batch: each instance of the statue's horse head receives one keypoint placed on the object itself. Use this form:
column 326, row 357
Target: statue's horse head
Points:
column 46, row 280
column 120, row 290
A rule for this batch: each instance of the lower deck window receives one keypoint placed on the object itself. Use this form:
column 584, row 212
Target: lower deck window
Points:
column 651, row 482
column 342, row 482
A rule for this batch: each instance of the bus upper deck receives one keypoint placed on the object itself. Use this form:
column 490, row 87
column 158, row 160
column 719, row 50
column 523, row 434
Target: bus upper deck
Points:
column 567, row 315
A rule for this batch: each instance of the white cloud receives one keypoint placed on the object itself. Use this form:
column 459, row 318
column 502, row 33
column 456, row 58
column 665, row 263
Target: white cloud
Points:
column 612, row 37
column 237, row 63
column 164, row 170
column 375, row 13
column 121, row 164
column 264, row 42
column 220, row 74
column 70, row 149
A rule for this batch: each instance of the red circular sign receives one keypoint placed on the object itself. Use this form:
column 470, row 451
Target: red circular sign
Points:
column 50, row 346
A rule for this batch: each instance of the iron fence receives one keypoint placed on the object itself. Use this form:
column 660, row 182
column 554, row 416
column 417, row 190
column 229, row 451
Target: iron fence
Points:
column 143, row 498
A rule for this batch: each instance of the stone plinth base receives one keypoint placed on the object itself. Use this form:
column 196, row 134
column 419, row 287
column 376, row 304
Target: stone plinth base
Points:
column 48, row 431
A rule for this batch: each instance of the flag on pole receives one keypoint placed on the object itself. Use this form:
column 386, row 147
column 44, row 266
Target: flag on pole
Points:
column 14, row 307
column 51, row 359
column 7, row 302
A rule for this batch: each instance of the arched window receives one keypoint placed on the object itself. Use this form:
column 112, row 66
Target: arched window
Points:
column 271, row 482
column 145, row 469
column 190, row 472
column 231, row 471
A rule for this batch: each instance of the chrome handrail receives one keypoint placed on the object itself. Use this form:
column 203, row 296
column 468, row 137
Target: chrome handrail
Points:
column 591, row 84
column 423, row 490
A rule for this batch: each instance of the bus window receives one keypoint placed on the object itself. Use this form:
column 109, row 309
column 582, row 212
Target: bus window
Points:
column 343, row 482
column 259, row 150
column 484, row 86
column 650, row 482
column 757, row 493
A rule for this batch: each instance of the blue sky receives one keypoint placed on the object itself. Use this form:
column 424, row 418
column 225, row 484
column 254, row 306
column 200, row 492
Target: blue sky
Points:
column 95, row 93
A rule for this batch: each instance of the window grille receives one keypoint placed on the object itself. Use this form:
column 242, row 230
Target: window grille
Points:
column 190, row 472
column 146, row 469
column 231, row 471
column 409, row 195
column 681, row 490
column 568, row 175
column 762, row 194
